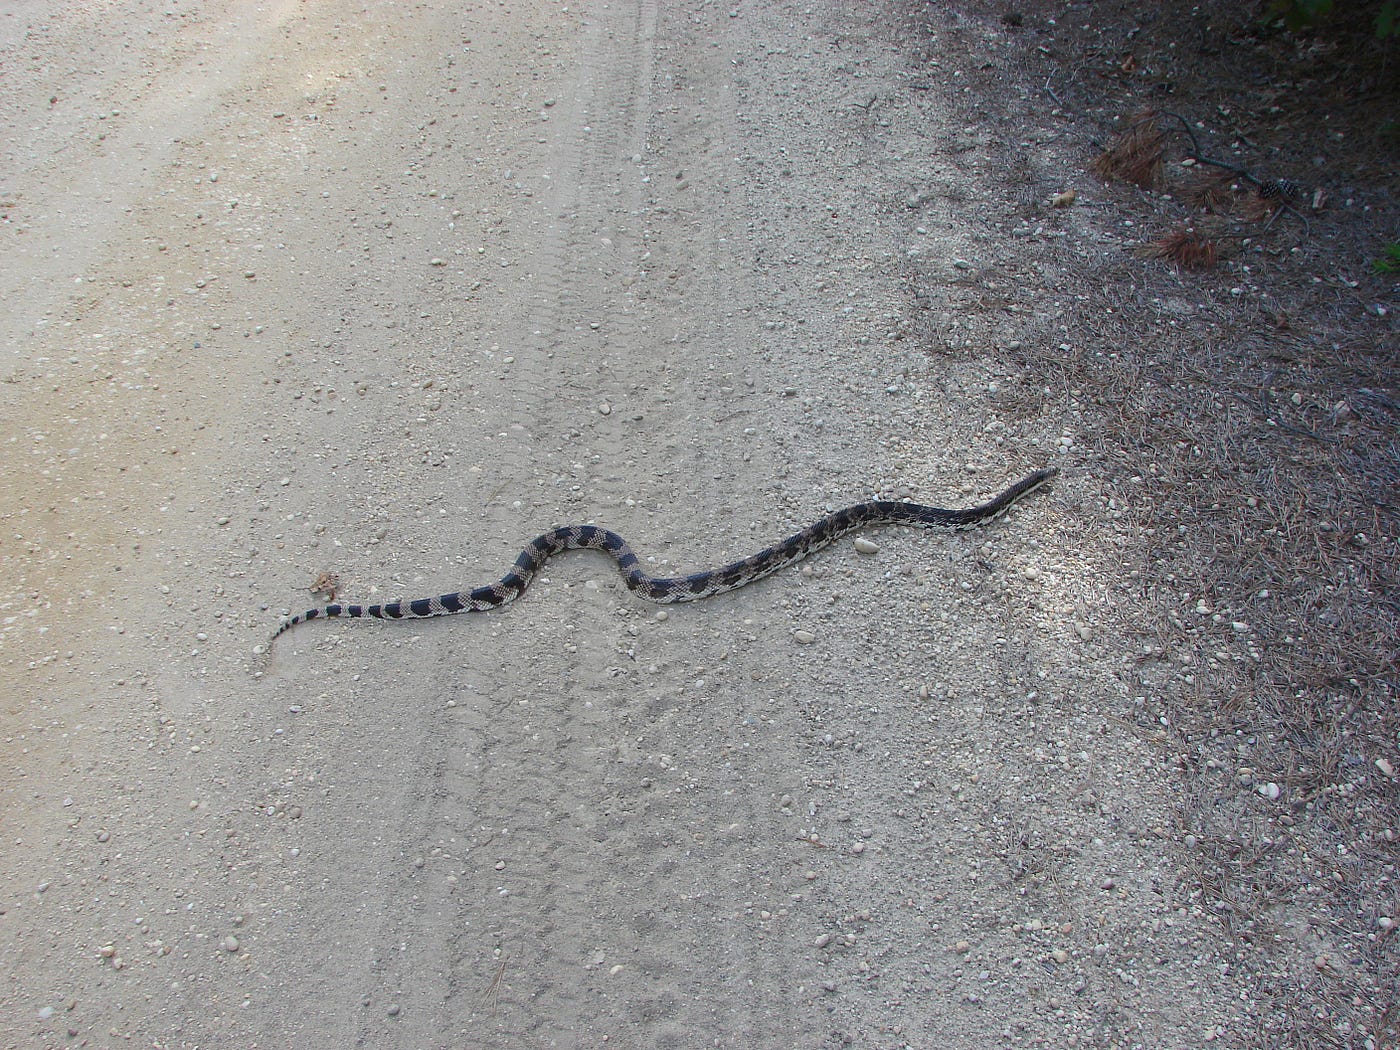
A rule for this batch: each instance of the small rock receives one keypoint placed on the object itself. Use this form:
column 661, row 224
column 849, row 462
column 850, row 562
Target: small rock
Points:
column 803, row 637
column 229, row 944
column 605, row 409
column 865, row 546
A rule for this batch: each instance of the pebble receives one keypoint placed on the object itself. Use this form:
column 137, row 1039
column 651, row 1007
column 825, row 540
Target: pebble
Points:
column 823, row 940
column 229, row 944
column 865, row 546
column 803, row 637
column 605, row 409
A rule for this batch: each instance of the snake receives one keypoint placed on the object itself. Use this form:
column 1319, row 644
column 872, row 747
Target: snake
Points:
column 671, row 590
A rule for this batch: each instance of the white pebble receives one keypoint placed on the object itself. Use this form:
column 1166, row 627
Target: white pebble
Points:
column 865, row 546
column 803, row 637
column 229, row 943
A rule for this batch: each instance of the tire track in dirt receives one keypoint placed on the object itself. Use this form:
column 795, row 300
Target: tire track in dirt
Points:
column 620, row 852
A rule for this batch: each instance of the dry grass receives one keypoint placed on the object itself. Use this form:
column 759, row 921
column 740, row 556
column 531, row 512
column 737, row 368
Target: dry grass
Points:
column 1184, row 247
column 1136, row 153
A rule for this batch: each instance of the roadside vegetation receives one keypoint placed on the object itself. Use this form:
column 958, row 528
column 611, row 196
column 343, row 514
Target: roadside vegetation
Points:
column 1234, row 353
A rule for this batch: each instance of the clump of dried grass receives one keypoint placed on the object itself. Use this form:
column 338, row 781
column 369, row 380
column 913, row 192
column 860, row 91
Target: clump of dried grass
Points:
column 1185, row 247
column 1210, row 191
column 1136, row 154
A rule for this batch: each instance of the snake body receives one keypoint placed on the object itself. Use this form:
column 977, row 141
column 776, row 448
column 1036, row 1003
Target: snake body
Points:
column 670, row 590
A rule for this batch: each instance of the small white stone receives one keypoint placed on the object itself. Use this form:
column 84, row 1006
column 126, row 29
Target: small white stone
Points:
column 1385, row 766
column 229, row 944
column 865, row 546
column 605, row 409
column 803, row 637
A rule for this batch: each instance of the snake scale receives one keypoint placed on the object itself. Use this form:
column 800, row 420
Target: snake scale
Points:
column 669, row 590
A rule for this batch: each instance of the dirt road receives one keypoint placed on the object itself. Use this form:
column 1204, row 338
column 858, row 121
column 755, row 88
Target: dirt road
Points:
column 381, row 291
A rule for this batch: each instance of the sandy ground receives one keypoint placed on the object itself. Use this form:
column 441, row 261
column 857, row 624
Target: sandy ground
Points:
column 383, row 290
